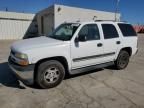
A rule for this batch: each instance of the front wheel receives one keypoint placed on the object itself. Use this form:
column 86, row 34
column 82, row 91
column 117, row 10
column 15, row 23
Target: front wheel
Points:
column 50, row 74
column 122, row 60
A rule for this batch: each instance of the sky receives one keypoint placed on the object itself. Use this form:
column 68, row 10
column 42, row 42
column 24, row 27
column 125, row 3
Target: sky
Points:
column 131, row 10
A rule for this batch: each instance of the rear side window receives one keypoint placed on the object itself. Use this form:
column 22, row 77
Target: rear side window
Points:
column 109, row 31
column 127, row 30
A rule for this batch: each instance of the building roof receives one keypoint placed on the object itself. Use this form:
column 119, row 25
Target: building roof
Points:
column 16, row 15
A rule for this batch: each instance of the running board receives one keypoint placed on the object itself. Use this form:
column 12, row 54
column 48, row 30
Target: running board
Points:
column 89, row 68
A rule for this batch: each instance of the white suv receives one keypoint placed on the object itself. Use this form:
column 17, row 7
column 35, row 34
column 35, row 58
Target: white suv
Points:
column 73, row 48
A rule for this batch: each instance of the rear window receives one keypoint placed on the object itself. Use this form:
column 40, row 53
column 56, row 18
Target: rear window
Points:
column 109, row 31
column 127, row 30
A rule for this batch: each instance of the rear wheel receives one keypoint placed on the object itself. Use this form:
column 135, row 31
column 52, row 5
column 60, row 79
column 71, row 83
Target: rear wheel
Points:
column 50, row 74
column 122, row 60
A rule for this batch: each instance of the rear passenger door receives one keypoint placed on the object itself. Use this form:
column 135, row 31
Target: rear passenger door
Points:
column 111, row 41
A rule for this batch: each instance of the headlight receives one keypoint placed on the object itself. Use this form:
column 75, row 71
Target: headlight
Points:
column 21, row 56
column 23, row 59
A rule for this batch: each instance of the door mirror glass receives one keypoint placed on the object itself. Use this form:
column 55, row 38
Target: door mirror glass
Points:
column 76, row 40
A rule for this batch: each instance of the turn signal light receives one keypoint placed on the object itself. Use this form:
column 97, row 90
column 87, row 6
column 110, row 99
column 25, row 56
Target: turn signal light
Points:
column 23, row 63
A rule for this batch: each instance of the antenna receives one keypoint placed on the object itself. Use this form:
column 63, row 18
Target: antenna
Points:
column 116, row 10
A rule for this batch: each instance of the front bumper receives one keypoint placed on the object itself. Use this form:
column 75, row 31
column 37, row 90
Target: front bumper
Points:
column 23, row 73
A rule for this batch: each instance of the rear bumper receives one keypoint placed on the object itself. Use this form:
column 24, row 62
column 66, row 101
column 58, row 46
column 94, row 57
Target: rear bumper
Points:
column 135, row 51
column 23, row 73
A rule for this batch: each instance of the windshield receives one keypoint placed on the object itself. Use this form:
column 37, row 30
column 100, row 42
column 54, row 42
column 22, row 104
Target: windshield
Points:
column 65, row 31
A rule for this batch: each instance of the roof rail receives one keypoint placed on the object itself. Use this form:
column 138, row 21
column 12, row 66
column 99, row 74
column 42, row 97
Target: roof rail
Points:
column 105, row 20
column 110, row 20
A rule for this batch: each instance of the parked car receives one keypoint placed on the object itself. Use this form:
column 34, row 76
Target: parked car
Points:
column 73, row 48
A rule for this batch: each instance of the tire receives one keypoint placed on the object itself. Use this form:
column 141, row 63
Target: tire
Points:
column 50, row 74
column 122, row 60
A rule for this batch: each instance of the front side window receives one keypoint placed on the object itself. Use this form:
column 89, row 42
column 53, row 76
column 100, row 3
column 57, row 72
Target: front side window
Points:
column 65, row 31
column 109, row 31
column 127, row 30
column 91, row 32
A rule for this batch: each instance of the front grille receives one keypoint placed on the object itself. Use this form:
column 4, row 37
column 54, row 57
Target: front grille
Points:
column 12, row 61
column 11, row 58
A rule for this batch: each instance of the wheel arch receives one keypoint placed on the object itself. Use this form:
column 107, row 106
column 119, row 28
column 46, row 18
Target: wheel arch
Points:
column 128, row 49
column 61, row 59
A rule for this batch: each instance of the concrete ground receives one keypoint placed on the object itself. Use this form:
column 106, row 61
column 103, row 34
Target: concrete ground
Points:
column 103, row 88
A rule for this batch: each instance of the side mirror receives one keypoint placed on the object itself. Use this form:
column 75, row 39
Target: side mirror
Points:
column 76, row 40
column 82, row 38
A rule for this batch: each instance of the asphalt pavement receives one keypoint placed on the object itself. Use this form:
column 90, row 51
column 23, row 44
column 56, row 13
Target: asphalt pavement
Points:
column 101, row 88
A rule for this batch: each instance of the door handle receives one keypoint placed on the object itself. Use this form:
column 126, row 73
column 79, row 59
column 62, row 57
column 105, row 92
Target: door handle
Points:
column 118, row 42
column 99, row 45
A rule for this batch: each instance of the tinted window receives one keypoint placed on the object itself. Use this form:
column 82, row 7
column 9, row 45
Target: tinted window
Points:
column 90, row 31
column 109, row 31
column 127, row 30
column 84, row 31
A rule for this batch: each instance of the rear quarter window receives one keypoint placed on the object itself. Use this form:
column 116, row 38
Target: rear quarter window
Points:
column 127, row 30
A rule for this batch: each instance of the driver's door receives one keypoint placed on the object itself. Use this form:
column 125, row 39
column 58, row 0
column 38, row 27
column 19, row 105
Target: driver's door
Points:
column 87, row 52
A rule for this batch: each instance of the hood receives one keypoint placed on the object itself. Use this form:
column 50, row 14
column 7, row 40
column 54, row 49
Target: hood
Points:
column 28, row 44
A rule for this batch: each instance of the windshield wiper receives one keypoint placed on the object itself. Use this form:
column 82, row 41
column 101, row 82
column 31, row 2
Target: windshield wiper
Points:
column 54, row 37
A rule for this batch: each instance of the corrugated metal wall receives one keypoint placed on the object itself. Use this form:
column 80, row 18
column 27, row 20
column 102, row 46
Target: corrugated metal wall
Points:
column 12, row 29
column 14, row 25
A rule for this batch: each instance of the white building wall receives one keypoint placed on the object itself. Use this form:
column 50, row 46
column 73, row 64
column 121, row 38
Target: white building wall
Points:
column 45, row 19
column 57, row 14
column 14, row 25
column 73, row 14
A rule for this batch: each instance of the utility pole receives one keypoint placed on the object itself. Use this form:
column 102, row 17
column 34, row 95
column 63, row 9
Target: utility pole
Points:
column 6, row 9
column 116, row 10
